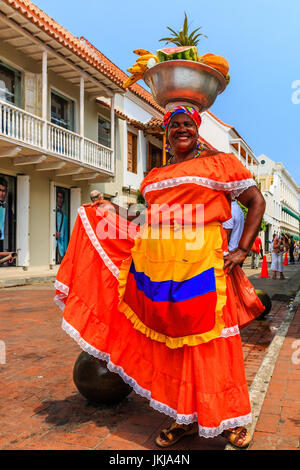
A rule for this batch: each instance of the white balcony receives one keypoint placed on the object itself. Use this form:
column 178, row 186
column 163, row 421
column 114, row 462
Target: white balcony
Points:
column 241, row 150
column 20, row 126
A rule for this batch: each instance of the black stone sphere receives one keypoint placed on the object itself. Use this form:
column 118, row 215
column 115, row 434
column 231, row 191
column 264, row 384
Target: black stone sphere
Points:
column 96, row 383
column 266, row 301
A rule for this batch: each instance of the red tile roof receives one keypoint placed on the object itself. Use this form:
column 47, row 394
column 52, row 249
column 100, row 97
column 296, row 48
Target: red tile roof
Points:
column 135, row 88
column 81, row 47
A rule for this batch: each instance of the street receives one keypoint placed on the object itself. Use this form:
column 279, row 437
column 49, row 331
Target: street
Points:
column 42, row 409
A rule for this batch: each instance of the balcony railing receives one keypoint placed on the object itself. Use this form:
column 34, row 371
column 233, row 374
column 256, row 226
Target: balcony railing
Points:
column 27, row 128
column 20, row 125
column 63, row 141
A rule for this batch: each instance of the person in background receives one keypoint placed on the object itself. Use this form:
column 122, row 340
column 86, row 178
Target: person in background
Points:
column 261, row 252
column 298, row 251
column 291, row 250
column 95, row 195
column 255, row 250
column 286, row 242
column 234, row 227
column 277, row 261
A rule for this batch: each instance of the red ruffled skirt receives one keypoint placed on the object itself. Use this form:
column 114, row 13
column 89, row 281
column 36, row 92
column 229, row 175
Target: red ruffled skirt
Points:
column 200, row 379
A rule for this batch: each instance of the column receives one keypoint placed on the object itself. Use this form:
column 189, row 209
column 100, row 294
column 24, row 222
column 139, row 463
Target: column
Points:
column 44, row 97
column 112, row 131
column 239, row 151
column 81, row 119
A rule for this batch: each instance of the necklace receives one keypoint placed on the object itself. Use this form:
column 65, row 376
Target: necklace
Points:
column 200, row 148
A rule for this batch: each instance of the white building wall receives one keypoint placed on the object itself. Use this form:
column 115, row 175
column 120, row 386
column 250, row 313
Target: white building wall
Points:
column 135, row 111
column 215, row 133
column 284, row 192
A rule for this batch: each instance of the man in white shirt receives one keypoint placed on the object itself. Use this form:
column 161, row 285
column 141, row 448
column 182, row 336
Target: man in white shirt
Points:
column 234, row 227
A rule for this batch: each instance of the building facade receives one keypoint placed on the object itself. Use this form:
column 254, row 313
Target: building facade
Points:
column 225, row 137
column 66, row 126
column 281, row 193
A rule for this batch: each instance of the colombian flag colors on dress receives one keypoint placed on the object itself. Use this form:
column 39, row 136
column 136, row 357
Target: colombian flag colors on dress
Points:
column 161, row 311
column 169, row 279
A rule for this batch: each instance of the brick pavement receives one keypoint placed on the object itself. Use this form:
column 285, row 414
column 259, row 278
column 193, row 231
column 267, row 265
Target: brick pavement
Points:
column 278, row 426
column 42, row 409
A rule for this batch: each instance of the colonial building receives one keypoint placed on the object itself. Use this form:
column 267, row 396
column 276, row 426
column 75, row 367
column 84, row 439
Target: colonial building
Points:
column 281, row 193
column 66, row 125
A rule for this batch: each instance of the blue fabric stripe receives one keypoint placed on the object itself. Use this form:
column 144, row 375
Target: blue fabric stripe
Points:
column 172, row 291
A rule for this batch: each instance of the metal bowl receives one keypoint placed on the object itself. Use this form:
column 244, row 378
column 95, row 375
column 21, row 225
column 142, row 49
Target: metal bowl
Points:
column 185, row 81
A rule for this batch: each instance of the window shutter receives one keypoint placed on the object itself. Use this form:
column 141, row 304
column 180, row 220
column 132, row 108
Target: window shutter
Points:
column 132, row 153
column 129, row 151
column 75, row 201
column 30, row 92
column 23, row 195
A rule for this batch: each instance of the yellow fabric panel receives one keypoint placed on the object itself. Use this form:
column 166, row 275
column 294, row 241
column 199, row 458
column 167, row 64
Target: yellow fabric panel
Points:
column 210, row 255
column 172, row 259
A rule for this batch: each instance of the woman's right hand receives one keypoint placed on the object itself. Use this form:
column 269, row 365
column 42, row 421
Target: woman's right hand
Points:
column 233, row 258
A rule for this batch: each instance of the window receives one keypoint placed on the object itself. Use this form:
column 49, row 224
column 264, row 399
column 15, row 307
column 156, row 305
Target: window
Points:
column 132, row 152
column 62, row 111
column 10, row 85
column 104, row 132
column 155, row 158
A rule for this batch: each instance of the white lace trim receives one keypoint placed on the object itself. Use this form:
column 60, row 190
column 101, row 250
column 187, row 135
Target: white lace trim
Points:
column 59, row 300
column 236, row 192
column 61, row 287
column 179, row 418
column 236, row 187
column 231, row 331
column 94, row 240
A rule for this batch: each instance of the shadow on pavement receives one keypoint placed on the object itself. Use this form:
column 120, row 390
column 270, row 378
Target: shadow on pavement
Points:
column 132, row 420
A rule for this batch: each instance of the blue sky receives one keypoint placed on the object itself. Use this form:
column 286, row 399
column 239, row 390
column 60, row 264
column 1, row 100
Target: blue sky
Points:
column 259, row 38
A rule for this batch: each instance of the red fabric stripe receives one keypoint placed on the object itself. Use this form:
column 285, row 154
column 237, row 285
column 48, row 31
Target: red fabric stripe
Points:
column 177, row 319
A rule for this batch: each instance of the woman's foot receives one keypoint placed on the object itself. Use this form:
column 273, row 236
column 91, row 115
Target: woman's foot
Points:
column 238, row 437
column 173, row 433
column 282, row 276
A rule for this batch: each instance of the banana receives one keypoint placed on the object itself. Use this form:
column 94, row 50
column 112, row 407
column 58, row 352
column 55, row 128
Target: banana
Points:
column 146, row 57
column 141, row 51
column 141, row 63
column 136, row 68
column 131, row 80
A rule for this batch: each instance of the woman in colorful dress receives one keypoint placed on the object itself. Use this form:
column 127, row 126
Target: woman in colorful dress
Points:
column 158, row 304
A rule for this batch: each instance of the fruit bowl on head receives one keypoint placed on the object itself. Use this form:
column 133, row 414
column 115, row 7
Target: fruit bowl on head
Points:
column 185, row 81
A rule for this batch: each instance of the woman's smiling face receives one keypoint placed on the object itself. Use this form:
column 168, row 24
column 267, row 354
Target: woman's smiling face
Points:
column 182, row 133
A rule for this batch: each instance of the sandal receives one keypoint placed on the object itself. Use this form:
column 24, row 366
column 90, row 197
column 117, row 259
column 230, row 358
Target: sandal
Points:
column 173, row 433
column 238, row 434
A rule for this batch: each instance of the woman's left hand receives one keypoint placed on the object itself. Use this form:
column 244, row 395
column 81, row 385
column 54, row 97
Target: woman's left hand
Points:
column 233, row 258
